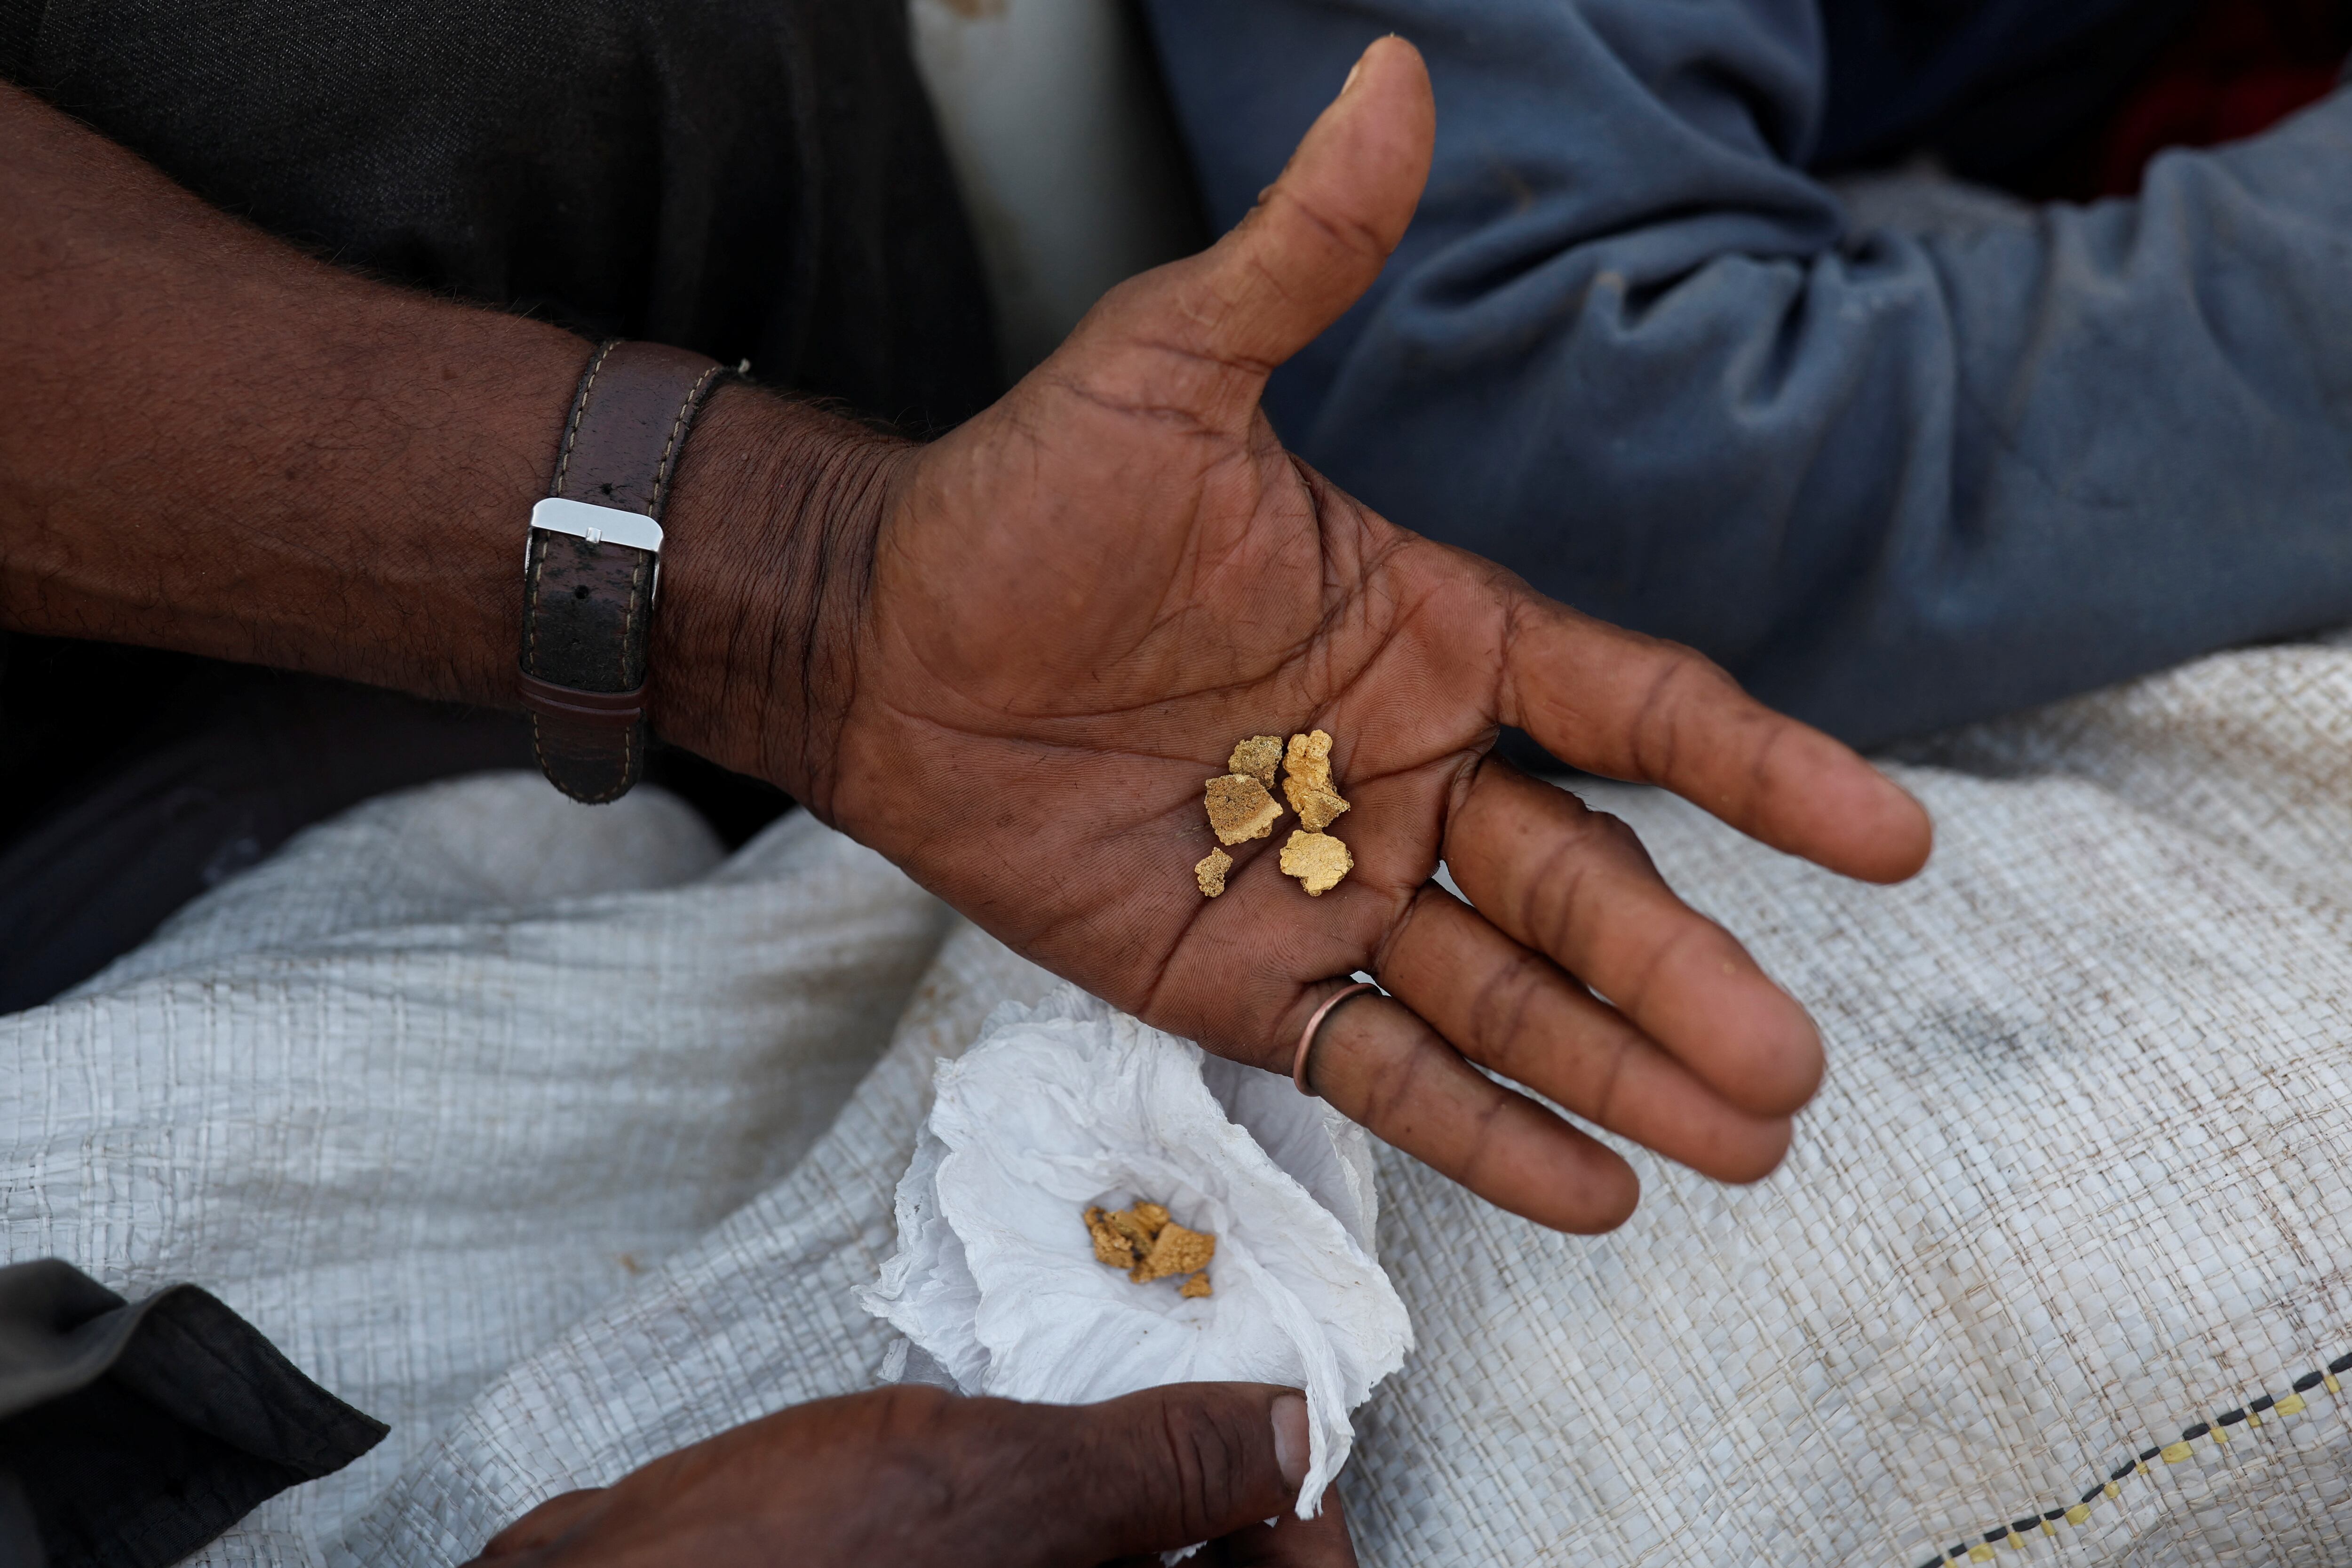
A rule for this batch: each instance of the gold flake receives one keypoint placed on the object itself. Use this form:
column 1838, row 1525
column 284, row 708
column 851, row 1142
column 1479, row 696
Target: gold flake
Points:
column 1318, row 808
column 1210, row 872
column 1175, row 1250
column 1317, row 860
column 1307, row 781
column 1239, row 808
column 1110, row 1246
column 1133, row 1227
column 1150, row 1245
column 1258, row 756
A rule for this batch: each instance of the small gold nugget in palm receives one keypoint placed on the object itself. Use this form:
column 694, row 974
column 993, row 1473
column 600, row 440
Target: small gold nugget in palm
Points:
column 1306, row 780
column 1239, row 808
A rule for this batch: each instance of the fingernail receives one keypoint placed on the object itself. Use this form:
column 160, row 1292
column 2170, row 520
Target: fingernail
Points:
column 1291, row 1445
column 1353, row 72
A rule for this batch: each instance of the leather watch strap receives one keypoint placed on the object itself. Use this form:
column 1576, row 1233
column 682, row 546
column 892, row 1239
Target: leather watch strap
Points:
column 588, row 599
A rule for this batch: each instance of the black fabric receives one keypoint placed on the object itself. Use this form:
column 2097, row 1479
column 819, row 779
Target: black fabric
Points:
column 131, row 1436
column 230, row 762
column 751, row 179
column 1994, row 88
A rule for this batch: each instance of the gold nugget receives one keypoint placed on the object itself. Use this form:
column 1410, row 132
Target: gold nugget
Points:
column 1239, row 808
column 1175, row 1250
column 1317, row 860
column 1141, row 1224
column 1210, row 872
column 1150, row 1245
column 1306, row 780
column 1258, row 756
column 1123, row 1237
column 1110, row 1246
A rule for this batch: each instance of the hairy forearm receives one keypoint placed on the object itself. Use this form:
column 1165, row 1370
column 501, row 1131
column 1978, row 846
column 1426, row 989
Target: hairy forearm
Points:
column 210, row 441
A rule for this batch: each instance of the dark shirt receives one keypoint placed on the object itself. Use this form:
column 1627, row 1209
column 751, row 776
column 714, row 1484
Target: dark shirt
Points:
column 752, row 179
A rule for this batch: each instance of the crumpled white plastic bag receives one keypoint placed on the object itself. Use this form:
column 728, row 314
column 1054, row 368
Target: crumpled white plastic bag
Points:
column 1073, row 1102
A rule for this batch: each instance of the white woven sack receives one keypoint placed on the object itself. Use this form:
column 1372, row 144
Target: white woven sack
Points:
column 2074, row 1186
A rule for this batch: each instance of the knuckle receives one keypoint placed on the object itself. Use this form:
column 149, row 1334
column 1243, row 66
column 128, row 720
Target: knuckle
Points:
column 1483, row 1161
column 1608, row 1077
column 1392, row 1093
column 1659, row 965
column 1613, row 831
column 1206, row 1453
column 1501, row 1024
column 1658, row 716
column 1413, row 933
column 1343, row 232
column 1555, row 896
column 1762, row 767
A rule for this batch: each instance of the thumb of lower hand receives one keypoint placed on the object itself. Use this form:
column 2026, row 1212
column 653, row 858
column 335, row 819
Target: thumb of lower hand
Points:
column 1169, row 1466
column 1318, row 238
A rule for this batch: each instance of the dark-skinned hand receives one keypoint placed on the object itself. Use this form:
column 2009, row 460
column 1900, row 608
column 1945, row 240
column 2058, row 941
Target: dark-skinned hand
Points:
column 1009, row 660
column 917, row 1478
column 1079, row 601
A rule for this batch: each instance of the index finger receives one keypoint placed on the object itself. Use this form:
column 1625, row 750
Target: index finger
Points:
column 1630, row 707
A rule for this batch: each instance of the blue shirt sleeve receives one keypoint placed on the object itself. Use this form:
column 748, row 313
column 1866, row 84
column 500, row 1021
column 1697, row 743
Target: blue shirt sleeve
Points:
column 1894, row 476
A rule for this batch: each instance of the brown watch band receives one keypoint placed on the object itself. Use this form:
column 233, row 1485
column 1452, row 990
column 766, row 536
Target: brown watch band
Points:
column 590, row 572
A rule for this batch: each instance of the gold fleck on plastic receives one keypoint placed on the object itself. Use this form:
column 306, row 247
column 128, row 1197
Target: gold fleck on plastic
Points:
column 1258, row 756
column 1196, row 1287
column 1307, row 781
column 1239, row 808
column 1210, row 872
column 1317, row 860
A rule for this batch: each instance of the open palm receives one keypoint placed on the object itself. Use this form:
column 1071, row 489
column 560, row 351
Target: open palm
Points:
column 1083, row 599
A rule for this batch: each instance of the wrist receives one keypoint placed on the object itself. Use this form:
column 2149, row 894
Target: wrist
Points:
column 770, row 541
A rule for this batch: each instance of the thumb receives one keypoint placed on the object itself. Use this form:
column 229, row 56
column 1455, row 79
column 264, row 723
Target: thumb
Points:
column 1314, row 243
column 1164, row 1469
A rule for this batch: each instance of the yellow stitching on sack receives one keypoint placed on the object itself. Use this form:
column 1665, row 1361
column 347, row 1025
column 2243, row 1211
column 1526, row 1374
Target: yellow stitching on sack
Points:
column 2289, row 1404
